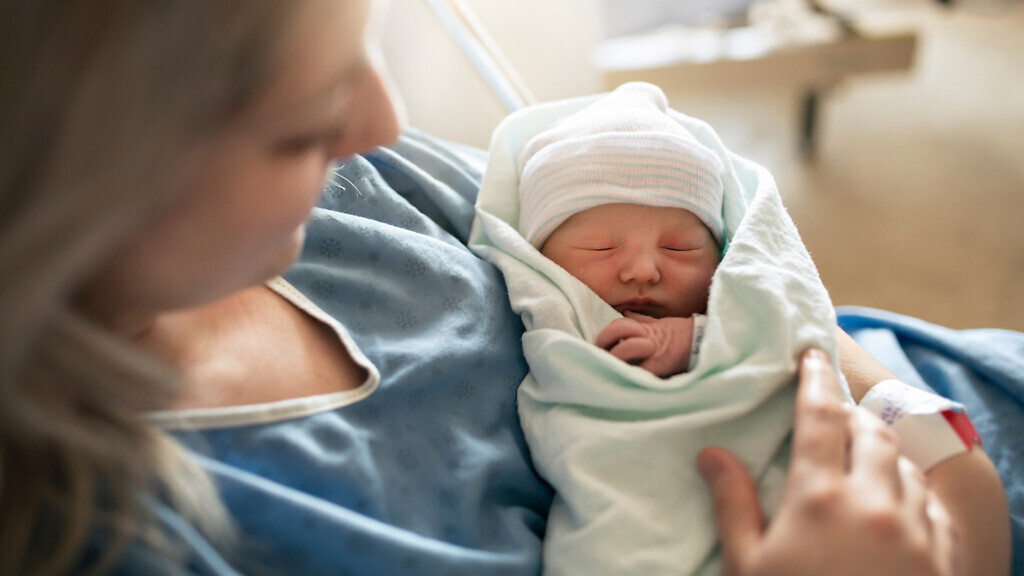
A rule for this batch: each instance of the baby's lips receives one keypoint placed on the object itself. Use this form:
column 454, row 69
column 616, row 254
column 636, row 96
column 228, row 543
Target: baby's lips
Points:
column 644, row 308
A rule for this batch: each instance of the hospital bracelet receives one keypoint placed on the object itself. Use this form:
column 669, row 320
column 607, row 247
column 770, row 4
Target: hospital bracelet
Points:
column 929, row 428
column 700, row 321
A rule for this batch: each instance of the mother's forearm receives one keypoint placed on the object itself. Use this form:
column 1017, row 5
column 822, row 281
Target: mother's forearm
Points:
column 967, row 484
column 969, row 487
column 861, row 369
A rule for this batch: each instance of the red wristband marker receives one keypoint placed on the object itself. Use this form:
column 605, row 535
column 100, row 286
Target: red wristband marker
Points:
column 963, row 427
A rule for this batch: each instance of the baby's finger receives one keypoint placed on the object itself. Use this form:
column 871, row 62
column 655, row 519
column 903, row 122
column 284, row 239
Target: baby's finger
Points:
column 633, row 349
column 639, row 317
column 619, row 329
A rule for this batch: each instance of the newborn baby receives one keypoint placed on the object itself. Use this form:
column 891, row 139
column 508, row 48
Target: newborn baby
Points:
column 627, row 201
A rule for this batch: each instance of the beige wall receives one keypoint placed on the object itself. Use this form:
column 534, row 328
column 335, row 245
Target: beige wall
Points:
column 443, row 94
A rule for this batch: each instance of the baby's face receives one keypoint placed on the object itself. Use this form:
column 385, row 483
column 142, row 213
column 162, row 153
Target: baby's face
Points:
column 654, row 261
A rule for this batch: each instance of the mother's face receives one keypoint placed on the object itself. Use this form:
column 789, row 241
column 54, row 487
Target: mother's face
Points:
column 238, row 219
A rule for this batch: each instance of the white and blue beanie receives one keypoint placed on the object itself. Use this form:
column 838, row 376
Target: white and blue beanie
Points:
column 622, row 148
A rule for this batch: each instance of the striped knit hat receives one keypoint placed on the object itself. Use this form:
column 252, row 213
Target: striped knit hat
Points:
column 622, row 148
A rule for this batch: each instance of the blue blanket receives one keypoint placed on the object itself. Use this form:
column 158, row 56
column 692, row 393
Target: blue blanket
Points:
column 983, row 369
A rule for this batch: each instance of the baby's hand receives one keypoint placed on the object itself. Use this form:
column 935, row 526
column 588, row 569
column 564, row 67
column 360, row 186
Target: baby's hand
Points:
column 659, row 345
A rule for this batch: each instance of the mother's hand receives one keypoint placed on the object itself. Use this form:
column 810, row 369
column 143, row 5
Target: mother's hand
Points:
column 851, row 504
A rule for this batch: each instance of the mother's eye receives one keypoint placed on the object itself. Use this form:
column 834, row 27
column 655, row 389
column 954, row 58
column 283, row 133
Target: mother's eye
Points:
column 307, row 142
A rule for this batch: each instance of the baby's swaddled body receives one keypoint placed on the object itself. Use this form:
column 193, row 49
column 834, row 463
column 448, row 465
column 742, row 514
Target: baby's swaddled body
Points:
column 618, row 443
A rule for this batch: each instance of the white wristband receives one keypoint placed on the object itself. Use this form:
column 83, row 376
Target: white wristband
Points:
column 930, row 428
column 699, row 322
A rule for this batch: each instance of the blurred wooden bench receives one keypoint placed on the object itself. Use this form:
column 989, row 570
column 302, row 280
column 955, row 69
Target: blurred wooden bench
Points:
column 742, row 61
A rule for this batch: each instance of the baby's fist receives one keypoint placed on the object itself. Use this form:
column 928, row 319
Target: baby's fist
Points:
column 659, row 345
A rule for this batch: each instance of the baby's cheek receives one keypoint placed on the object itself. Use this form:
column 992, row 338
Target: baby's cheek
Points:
column 602, row 289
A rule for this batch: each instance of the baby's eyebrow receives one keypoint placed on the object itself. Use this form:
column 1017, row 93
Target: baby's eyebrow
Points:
column 594, row 237
column 688, row 228
column 681, row 233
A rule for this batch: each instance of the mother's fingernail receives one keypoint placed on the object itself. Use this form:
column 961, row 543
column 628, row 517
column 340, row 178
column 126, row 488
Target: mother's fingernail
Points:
column 815, row 355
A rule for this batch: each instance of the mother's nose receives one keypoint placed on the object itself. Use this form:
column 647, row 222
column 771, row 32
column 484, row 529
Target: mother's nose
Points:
column 375, row 120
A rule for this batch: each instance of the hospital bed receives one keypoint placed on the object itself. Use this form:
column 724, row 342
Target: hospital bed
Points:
column 981, row 368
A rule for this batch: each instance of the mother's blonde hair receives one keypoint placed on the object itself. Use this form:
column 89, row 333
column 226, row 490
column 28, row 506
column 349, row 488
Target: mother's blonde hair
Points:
column 103, row 102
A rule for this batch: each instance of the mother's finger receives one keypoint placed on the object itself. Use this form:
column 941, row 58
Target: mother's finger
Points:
column 929, row 526
column 820, row 431
column 874, row 457
column 916, row 497
column 737, row 509
column 944, row 543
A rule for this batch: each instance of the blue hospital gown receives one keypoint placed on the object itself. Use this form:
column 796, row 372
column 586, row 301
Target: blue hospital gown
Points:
column 430, row 473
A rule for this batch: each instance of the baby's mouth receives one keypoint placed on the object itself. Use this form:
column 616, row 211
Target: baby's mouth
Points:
column 646, row 306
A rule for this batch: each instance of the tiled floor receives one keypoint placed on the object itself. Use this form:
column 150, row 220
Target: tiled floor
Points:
column 915, row 201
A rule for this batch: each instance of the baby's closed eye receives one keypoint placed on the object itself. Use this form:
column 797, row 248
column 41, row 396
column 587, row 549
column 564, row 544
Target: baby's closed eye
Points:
column 684, row 246
column 595, row 244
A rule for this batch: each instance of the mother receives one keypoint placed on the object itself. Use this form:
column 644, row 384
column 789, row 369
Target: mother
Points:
column 159, row 161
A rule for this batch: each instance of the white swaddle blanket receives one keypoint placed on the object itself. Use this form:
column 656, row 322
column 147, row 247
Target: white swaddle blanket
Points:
column 618, row 444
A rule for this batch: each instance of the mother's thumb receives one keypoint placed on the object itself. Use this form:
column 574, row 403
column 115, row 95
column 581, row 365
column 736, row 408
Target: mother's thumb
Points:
column 737, row 509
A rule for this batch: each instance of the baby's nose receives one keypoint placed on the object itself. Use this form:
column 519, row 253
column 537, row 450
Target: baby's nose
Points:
column 640, row 268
